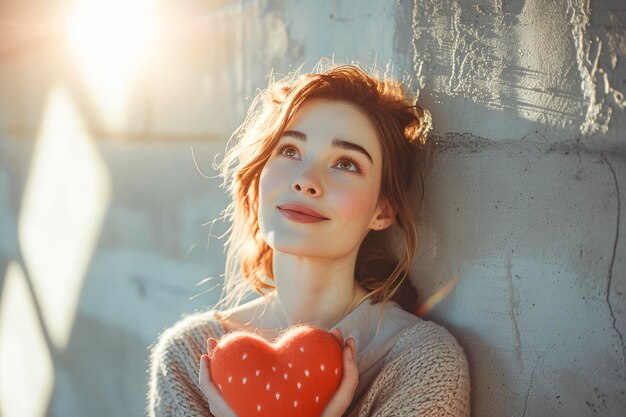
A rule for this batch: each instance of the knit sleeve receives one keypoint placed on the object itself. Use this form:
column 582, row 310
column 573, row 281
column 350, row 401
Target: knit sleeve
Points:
column 428, row 377
column 173, row 389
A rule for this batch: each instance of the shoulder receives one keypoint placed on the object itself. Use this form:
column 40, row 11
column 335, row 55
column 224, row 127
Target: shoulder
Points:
column 426, row 339
column 175, row 363
column 427, row 347
column 186, row 338
column 428, row 368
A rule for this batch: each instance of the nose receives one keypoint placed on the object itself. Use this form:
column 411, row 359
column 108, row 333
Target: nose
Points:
column 308, row 184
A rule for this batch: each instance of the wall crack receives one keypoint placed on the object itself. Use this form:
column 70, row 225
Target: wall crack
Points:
column 610, row 273
column 530, row 387
column 514, row 309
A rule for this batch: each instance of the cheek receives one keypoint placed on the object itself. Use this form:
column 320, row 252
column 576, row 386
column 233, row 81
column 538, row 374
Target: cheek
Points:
column 357, row 203
column 269, row 182
column 272, row 185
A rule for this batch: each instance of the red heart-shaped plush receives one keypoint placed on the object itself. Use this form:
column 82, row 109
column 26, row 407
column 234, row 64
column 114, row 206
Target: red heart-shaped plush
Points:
column 296, row 375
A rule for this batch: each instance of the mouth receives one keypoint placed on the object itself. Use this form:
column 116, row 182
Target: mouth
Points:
column 300, row 213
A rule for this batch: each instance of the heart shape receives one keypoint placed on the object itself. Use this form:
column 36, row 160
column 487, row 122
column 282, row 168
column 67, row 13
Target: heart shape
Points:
column 295, row 375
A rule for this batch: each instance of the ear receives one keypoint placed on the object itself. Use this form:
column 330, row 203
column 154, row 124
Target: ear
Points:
column 384, row 216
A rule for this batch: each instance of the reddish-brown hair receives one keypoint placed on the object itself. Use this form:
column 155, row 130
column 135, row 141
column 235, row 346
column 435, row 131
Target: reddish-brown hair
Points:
column 402, row 130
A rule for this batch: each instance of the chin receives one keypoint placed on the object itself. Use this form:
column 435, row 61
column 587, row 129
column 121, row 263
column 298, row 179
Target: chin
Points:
column 301, row 243
column 315, row 249
column 298, row 248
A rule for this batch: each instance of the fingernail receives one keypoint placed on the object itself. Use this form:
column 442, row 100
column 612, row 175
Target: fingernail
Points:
column 350, row 354
column 353, row 341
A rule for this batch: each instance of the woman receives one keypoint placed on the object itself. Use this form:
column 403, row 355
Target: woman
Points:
column 319, row 173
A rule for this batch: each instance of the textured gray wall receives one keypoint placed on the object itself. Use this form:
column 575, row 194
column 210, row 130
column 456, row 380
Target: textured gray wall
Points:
column 102, row 226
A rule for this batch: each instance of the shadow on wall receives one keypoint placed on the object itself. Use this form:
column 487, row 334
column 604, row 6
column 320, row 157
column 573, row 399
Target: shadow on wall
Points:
column 104, row 367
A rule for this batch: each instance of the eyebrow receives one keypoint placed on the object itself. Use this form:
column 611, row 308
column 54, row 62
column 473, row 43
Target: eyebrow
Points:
column 337, row 143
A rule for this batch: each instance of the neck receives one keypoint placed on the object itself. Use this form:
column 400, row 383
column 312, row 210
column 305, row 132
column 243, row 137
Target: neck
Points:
column 321, row 293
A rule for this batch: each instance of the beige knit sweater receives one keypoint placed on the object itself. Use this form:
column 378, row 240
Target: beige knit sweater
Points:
column 407, row 366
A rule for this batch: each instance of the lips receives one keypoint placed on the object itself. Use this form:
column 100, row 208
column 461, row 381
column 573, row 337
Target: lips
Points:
column 301, row 208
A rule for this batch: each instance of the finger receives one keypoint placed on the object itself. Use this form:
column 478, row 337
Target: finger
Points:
column 210, row 344
column 350, row 377
column 337, row 333
column 342, row 398
column 351, row 341
column 217, row 404
column 204, row 378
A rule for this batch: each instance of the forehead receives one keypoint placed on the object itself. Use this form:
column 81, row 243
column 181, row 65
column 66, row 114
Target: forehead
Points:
column 324, row 119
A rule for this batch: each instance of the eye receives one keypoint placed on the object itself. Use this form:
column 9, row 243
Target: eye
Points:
column 287, row 150
column 346, row 163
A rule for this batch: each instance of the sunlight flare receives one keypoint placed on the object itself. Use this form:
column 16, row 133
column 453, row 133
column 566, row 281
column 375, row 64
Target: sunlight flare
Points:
column 109, row 40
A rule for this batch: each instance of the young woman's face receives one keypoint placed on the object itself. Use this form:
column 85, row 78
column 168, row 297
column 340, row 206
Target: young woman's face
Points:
column 329, row 160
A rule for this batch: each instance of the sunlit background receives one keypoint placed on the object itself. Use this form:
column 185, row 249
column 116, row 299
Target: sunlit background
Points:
column 82, row 86
column 110, row 44
column 113, row 112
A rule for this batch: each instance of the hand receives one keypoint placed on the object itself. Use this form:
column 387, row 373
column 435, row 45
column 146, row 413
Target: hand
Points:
column 340, row 402
column 217, row 404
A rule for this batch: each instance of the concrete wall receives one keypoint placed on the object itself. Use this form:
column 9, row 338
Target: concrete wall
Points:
column 103, row 234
